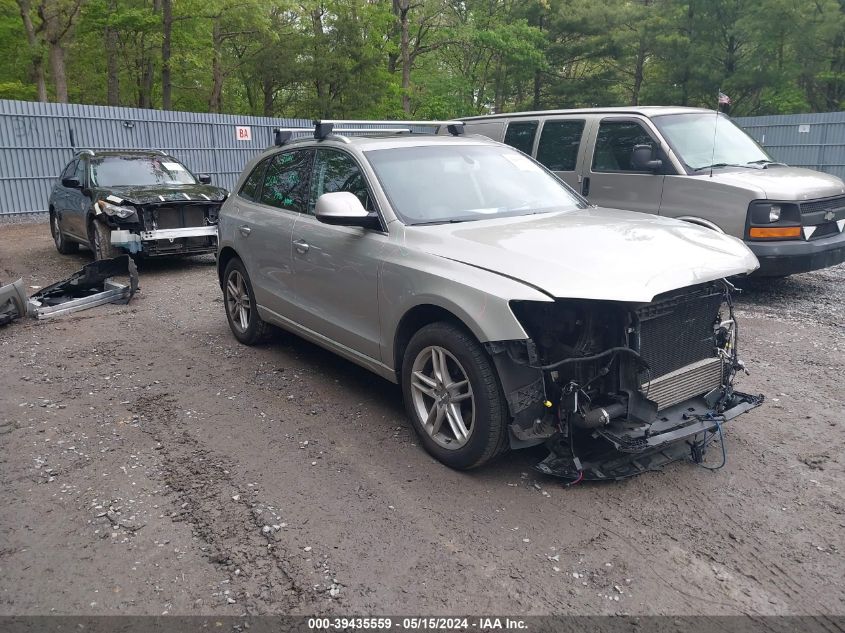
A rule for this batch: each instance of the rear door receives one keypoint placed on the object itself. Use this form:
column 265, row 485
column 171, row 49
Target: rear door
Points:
column 608, row 178
column 272, row 197
column 561, row 143
column 336, row 267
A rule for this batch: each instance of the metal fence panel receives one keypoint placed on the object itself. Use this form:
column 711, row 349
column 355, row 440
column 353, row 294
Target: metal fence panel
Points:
column 38, row 139
column 816, row 141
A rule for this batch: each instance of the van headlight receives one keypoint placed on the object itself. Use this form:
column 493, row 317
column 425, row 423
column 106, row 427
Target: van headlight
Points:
column 774, row 213
column 115, row 211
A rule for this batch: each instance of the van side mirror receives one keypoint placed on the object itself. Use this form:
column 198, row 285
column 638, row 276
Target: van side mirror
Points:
column 204, row 179
column 342, row 208
column 642, row 158
column 71, row 183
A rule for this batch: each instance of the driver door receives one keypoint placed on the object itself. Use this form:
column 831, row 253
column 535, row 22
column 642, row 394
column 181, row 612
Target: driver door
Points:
column 609, row 178
column 336, row 267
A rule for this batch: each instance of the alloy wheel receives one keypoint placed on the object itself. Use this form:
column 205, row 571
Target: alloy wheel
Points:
column 442, row 397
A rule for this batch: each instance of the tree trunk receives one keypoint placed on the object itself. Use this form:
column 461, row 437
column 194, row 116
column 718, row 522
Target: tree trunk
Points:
column 320, row 85
column 57, row 67
column 35, row 50
column 268, row 89
column 403, row 7
column 167, row 32
column 112, row 70
column 639, row 67
column 215, row 101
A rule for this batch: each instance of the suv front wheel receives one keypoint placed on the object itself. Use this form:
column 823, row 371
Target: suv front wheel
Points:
column 453, row 396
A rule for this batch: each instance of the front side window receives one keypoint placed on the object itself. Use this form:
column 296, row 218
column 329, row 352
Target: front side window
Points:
column 118, row 171
column 615, row 145
column 286, row 181
column 520, row 134
column 692, row 136
column 432, row 184
column 559, row 143
column 336, row 171
column 251, row 185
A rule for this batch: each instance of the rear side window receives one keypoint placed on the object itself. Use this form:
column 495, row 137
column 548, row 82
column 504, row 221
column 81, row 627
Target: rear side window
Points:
column 615, row 143
column 249, row 191
column 286, row 181
column 520, row 134
column 559, row 143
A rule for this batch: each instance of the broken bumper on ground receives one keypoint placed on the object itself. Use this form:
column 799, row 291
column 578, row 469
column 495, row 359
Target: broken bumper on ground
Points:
column 12, row 302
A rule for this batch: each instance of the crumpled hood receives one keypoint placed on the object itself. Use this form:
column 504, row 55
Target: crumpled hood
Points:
column 781, row 183
column 147, row 194
column 594, row 253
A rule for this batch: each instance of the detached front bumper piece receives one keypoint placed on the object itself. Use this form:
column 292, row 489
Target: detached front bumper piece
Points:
column 89, row 287
column 12, row 302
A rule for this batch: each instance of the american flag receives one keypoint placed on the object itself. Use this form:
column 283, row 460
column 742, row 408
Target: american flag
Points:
column 724, row 99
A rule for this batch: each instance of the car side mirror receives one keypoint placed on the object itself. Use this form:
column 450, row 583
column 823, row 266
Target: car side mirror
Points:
column 205, row 179
column 342, row 208
column 642, row 158
column 71, row 183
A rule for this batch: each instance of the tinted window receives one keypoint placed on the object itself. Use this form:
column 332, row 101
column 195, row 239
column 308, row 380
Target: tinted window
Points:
column 559, row 142
column 336, row 171
column 521, row 135
column 286, row 181
column 615, row 143
column 70, row 169
column 116, row 171
column 79, row 173
column 251, row 185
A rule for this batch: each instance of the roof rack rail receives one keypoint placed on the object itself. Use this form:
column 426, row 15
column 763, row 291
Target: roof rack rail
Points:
column 323, row 128
column 79, row 152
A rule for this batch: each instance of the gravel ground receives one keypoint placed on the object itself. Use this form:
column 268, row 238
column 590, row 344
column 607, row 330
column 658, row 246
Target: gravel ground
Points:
column 150, row 464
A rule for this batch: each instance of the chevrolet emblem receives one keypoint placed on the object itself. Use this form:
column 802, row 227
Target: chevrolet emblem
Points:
column 829, row 215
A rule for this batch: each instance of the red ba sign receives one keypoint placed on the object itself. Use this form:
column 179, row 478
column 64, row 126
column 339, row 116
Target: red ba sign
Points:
column 243, row 133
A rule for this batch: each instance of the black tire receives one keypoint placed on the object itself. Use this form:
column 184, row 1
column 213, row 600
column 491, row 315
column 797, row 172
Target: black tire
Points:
column 488, row 436
column 237, row 288
column 100, row 239
column 63, row 245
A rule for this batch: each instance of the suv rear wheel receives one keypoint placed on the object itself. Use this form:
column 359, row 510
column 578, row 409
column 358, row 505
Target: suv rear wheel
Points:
column 241, row 312
column 63, row 245
column 453, row 396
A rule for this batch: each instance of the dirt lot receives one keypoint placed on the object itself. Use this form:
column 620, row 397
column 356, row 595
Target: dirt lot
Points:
column 150, row 464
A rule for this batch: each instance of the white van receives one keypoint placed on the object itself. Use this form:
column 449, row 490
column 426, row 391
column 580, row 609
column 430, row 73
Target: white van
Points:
column 663, row 160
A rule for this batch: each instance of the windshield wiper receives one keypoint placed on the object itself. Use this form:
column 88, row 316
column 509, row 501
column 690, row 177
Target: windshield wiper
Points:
column 720, row 165
column 765, row 162
column 429, row 223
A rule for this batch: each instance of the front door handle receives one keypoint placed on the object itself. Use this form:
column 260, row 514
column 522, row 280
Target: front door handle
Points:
column 301, row 246
column 245, row 230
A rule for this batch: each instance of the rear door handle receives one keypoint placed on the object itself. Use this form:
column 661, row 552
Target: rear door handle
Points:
column 585, row 187
column 245, row 230
column 301, row 246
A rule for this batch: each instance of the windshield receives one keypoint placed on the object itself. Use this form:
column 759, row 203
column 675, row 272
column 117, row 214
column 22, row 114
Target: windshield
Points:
column 117, row 171
column 692, row 136
column 458, row 183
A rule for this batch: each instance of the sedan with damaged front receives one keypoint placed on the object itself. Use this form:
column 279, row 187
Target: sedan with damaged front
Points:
column 511, row 311
column 138, row 202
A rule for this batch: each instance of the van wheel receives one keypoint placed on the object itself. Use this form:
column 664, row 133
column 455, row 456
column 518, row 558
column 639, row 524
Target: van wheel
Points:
column 63, row 245
column 453, row 396
column 100, row 240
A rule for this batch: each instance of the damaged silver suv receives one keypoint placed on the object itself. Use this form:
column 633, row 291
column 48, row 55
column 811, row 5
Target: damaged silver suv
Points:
column 511, row 311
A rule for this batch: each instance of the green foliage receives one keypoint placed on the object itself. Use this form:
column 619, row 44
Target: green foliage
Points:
column 344, row 58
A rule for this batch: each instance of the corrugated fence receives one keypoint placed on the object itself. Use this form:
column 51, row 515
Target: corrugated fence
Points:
column 38, row 139
column 816, row 141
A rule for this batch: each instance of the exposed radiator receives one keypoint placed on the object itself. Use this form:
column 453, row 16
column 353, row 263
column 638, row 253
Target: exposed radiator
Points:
column 693, row 380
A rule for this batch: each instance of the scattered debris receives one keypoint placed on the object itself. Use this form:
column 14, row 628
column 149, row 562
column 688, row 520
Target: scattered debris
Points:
column 12, row 302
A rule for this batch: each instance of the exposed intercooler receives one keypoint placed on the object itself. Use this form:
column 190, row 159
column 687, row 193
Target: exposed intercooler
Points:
column 677, row 340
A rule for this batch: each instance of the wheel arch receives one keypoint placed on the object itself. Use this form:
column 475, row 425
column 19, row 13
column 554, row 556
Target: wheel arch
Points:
column 226, row 254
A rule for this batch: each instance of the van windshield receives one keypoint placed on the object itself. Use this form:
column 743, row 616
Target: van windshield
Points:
column 692, row 137
column 458, row 183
